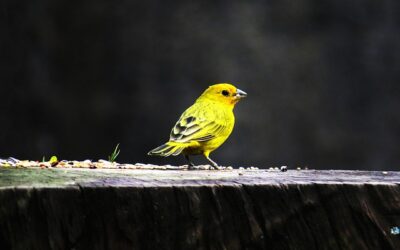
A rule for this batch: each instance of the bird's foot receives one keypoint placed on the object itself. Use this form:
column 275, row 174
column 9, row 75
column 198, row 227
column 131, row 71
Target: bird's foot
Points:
column 215, row 167
column 191, row 167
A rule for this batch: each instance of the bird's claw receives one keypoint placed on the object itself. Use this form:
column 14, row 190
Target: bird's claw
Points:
column 212, row 167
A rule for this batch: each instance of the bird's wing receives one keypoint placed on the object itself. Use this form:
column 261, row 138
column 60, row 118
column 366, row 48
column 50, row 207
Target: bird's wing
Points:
column 196, row 124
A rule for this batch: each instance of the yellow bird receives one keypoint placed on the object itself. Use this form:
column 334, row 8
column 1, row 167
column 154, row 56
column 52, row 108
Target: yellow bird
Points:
column 205, row 125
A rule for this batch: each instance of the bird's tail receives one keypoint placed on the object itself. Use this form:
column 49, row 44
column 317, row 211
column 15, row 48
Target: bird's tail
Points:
column 167, row 149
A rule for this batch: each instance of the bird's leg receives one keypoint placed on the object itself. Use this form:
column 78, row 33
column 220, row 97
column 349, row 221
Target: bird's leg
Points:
column 213, row 163
column 191, row 165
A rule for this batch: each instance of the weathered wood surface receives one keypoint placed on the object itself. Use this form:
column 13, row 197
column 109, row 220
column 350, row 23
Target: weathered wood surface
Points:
column 238, row 209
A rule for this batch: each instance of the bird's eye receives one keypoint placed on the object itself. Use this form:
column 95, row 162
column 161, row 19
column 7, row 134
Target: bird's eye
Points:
column 225, row 92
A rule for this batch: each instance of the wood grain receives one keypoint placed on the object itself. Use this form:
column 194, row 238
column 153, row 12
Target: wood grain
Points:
column 177, row 209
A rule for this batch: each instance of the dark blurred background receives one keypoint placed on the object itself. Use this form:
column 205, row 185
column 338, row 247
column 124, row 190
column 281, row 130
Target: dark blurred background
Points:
column 78, row 77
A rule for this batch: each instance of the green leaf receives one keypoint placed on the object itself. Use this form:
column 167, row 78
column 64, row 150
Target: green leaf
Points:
column 114, row 154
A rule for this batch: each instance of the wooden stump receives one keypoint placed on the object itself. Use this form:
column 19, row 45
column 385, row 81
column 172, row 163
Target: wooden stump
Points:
column 237, row 209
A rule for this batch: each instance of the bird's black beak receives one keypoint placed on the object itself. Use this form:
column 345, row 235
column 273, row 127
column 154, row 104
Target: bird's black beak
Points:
column 240, row 93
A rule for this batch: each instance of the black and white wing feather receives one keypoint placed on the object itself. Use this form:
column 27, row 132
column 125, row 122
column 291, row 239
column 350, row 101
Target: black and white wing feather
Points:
column 196, row 125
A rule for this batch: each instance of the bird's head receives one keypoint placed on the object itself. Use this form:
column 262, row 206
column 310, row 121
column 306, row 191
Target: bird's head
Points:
column 223, row 93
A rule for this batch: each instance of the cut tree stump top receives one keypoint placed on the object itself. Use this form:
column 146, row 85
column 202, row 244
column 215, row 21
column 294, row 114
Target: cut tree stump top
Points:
column 54, row 177
column 82, row 208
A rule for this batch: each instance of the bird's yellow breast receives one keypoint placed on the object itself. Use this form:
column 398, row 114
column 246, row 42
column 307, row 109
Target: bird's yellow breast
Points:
column 221, row 115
